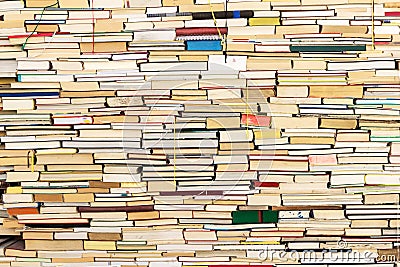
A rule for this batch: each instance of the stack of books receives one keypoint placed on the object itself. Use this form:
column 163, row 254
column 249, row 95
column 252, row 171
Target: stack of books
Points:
column 181, row 133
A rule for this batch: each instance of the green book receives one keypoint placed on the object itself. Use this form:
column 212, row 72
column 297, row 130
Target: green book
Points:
column 254, row 216
column 385, row 139
column 327, row 48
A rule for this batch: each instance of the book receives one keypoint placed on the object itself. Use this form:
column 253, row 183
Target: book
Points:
column 247, row 217
column 203, row 45
column 74, row 4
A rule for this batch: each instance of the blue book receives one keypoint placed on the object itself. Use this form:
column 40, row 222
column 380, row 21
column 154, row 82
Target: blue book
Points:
column 204, row 45
column 29, row 94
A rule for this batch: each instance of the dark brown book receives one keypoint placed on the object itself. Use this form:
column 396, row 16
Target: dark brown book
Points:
column 106, row 185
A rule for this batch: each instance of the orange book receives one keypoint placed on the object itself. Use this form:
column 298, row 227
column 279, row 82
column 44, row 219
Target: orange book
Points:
column 19, row 211
column 109, row 47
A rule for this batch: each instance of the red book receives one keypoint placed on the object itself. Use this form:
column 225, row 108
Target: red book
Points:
column 200, row 31
column 43, row 34
column 266, row 184
column 392, row 14
column 255, row 120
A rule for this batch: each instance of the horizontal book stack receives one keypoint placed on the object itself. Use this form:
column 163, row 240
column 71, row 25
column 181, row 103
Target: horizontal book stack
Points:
column 177, row 133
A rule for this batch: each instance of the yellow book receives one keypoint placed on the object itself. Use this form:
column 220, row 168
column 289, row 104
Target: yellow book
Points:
column 14, row 190
column 338, row 123
column 263, row 21
column 128, row 185
column 100, row 245
column 312, row 140
column 267, row 133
